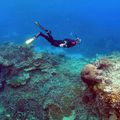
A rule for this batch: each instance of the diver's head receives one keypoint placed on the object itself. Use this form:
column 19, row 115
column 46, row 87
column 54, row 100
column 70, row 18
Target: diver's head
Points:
column 78, row 40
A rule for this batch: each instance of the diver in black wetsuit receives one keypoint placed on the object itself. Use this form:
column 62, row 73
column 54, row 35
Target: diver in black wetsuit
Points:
column 66, row 43
column 58, row 43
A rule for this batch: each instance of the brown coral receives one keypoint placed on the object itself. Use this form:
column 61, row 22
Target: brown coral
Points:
column 55, row 111
column 103, row 64
column 90, row 75
column 103, row 82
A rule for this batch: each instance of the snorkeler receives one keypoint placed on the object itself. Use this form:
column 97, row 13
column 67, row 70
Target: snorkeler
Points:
column 66, row 43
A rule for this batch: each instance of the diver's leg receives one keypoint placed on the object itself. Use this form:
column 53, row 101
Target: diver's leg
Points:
column 41, row 34
column 48, row 37
column 48, row 32
column 29, row 41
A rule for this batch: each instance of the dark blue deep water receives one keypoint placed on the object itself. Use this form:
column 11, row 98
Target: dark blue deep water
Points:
column 96, row 22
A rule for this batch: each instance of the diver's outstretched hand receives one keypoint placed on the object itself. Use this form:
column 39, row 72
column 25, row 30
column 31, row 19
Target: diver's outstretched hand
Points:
column 78, row 40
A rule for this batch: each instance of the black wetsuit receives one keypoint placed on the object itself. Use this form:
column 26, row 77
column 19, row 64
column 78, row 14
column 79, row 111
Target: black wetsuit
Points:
column 58, row 43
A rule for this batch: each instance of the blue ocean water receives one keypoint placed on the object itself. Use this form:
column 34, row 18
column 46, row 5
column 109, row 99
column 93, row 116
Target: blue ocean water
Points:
column 96, row 22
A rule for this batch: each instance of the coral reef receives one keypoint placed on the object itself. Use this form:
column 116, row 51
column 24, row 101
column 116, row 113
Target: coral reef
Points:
column 102, row 95
column 49, row 86
column 38, row 86
column 19, row 80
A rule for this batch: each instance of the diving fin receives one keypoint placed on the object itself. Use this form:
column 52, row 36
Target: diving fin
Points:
column 29, row 41
column 40, row 26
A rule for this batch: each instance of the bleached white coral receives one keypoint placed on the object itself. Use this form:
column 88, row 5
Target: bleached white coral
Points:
column 108, row 89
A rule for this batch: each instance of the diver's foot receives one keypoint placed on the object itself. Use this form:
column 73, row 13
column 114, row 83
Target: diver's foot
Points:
column 37, row 35
column 48, row 31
